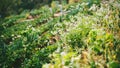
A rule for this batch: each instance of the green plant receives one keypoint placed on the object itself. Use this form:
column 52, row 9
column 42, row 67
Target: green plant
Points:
column 74, row 38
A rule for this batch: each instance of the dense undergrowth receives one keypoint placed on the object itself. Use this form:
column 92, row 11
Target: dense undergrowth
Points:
column 85, row 36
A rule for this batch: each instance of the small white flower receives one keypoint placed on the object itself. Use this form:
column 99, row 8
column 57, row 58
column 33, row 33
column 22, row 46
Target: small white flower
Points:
column 63, row 54
column 18, row 36
column 33, row 29
column 12, row 35
column 2, row 35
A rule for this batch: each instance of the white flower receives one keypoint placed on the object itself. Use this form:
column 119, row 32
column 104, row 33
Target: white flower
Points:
column 12, row 35
column 63, row 54
column 18, row 36
column 2, row 35
column 33, row 29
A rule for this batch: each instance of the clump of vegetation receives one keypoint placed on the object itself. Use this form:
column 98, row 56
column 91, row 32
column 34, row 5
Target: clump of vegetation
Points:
column 75, row 38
